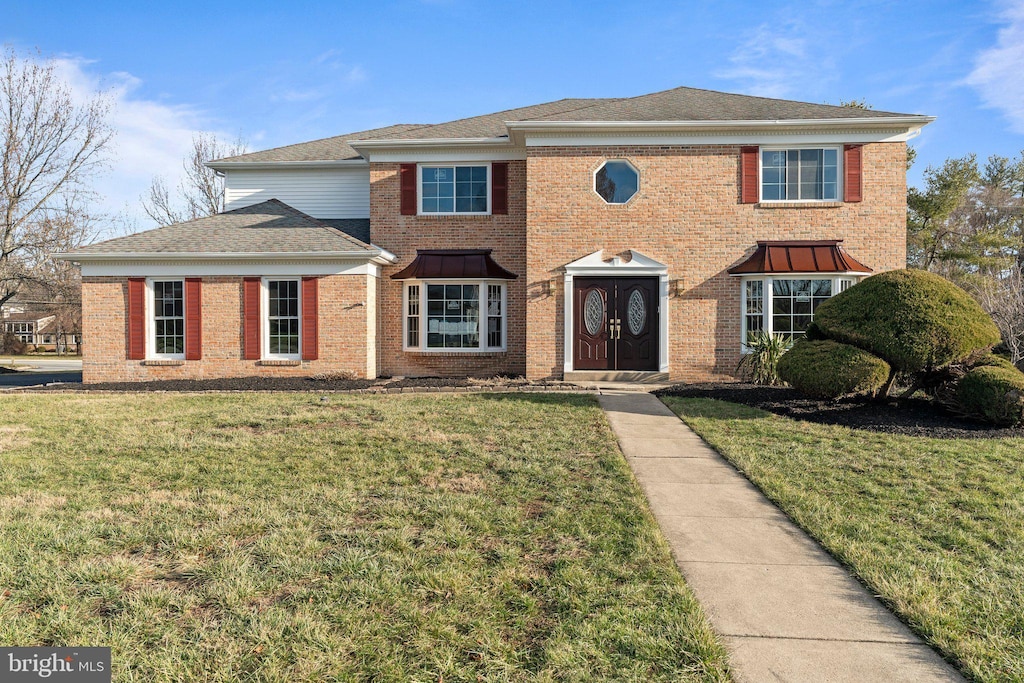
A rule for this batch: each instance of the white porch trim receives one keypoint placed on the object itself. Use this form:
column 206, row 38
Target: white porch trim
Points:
column 638, row 265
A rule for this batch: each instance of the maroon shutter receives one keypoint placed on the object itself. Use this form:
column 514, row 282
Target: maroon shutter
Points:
column 193, row 318
column 310, row 318
column 136, row 318
column 251, row 318
column 853, row 173
column 407, row 177
column 749, row 190
column 499, row 187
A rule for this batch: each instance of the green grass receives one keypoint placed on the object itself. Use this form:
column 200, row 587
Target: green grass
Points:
column 935, row 527
column 365, row 538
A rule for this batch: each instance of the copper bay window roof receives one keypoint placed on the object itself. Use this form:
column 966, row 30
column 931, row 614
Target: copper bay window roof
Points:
column 799, row 256
column 453, row 264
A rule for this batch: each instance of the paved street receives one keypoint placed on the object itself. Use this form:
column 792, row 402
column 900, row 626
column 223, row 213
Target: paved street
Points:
column 41, row 371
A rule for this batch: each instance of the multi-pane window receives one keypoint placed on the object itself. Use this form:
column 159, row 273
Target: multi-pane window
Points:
column 168, row 318
column 495, row 312
column 283, row 317
column 23, row 331
column 455, row 316
column 412, row 319
column 794, row 303
column 786, row 305
column 753, row 316
column 453, row 189
column 800, row 174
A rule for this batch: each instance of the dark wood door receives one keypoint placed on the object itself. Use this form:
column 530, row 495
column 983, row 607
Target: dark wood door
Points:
column 615, row 324
column 592, row 332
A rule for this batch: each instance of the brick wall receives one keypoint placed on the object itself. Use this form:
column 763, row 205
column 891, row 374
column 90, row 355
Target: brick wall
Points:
column 687, row 214
column 403, row 235
column 344, row 320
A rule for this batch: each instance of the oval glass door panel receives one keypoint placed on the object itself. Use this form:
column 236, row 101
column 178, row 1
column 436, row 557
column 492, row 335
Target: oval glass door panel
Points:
column 593, row 312
column 636, row 312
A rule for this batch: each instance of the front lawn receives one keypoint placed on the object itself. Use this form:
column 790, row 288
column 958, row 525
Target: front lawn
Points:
column 934, row 526
column 283, row 537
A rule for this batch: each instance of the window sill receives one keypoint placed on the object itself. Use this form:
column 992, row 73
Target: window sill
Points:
column 163, row 362
column 454, row 352
column 799, row 205
column 280, row 362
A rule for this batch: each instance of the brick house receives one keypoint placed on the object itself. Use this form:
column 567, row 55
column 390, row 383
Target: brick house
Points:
column 637, row 237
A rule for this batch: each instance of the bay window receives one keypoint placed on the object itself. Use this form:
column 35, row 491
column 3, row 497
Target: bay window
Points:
column 786, row 304
column 447, row 316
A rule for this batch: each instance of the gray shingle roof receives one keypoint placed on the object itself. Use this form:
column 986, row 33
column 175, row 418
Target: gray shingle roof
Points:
column 694, row 104
column 333, row 149
column 270, row 227
column 678, row 104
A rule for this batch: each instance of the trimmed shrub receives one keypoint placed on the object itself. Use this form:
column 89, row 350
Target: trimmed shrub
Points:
column 914, row 320
column 994, row 361
column 828, row 369
column 993, row 393
column 761, row 365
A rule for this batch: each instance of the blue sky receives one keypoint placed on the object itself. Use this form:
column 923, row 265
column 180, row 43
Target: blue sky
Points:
column 279, row 73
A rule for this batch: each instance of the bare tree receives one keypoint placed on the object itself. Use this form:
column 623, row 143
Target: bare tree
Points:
column 52, row 145
column 200, row 191
column 1003, row 299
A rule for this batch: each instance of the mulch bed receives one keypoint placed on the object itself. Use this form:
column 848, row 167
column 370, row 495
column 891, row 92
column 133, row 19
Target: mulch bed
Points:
column 912, row 417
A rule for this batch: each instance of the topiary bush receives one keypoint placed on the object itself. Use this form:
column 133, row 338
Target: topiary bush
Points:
column 993, row 360
column 914, row 320
column 993, row 393
column 828, row 369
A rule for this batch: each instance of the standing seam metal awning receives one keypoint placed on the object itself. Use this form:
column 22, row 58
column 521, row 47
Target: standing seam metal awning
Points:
column 803, row 256
column 454, row 264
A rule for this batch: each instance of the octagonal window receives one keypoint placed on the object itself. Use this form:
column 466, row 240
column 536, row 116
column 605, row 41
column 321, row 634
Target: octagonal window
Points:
column 616, row 181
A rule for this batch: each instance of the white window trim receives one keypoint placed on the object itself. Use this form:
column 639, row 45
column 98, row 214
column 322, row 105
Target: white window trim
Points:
column 840, row 190
column 151, row 353
column 265, row 319
column 766, row 294
column 482, row 291
column 593, row 181
column 452, row 165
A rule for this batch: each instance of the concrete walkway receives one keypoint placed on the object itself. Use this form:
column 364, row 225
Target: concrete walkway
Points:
column 786, row 610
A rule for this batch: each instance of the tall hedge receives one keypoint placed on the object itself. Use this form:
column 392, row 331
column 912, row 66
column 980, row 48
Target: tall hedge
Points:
column 914, row 320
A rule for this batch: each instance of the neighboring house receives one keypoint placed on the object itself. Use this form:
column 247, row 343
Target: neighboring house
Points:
column 578, row 238
column 38, row 328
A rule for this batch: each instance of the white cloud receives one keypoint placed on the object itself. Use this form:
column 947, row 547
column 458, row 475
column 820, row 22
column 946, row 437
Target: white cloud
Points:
column 775, row 61
column 151, row 137
column 998, row 73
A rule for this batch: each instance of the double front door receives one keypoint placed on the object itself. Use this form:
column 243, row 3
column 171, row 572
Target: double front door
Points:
column 615, row 323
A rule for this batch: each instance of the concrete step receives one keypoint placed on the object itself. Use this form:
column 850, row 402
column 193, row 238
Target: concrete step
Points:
column 617, row 376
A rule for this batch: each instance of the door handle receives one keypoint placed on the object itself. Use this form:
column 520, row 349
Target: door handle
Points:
column 615, row 328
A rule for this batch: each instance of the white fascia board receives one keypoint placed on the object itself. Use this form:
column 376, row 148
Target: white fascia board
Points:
column 227, row 268
column 270, row 165
column 440, row 149
column 590, row 133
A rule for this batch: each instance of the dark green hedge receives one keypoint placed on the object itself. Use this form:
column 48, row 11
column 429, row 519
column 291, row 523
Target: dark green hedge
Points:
column 993, row 393
column 828, row 369
column 914, row 320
